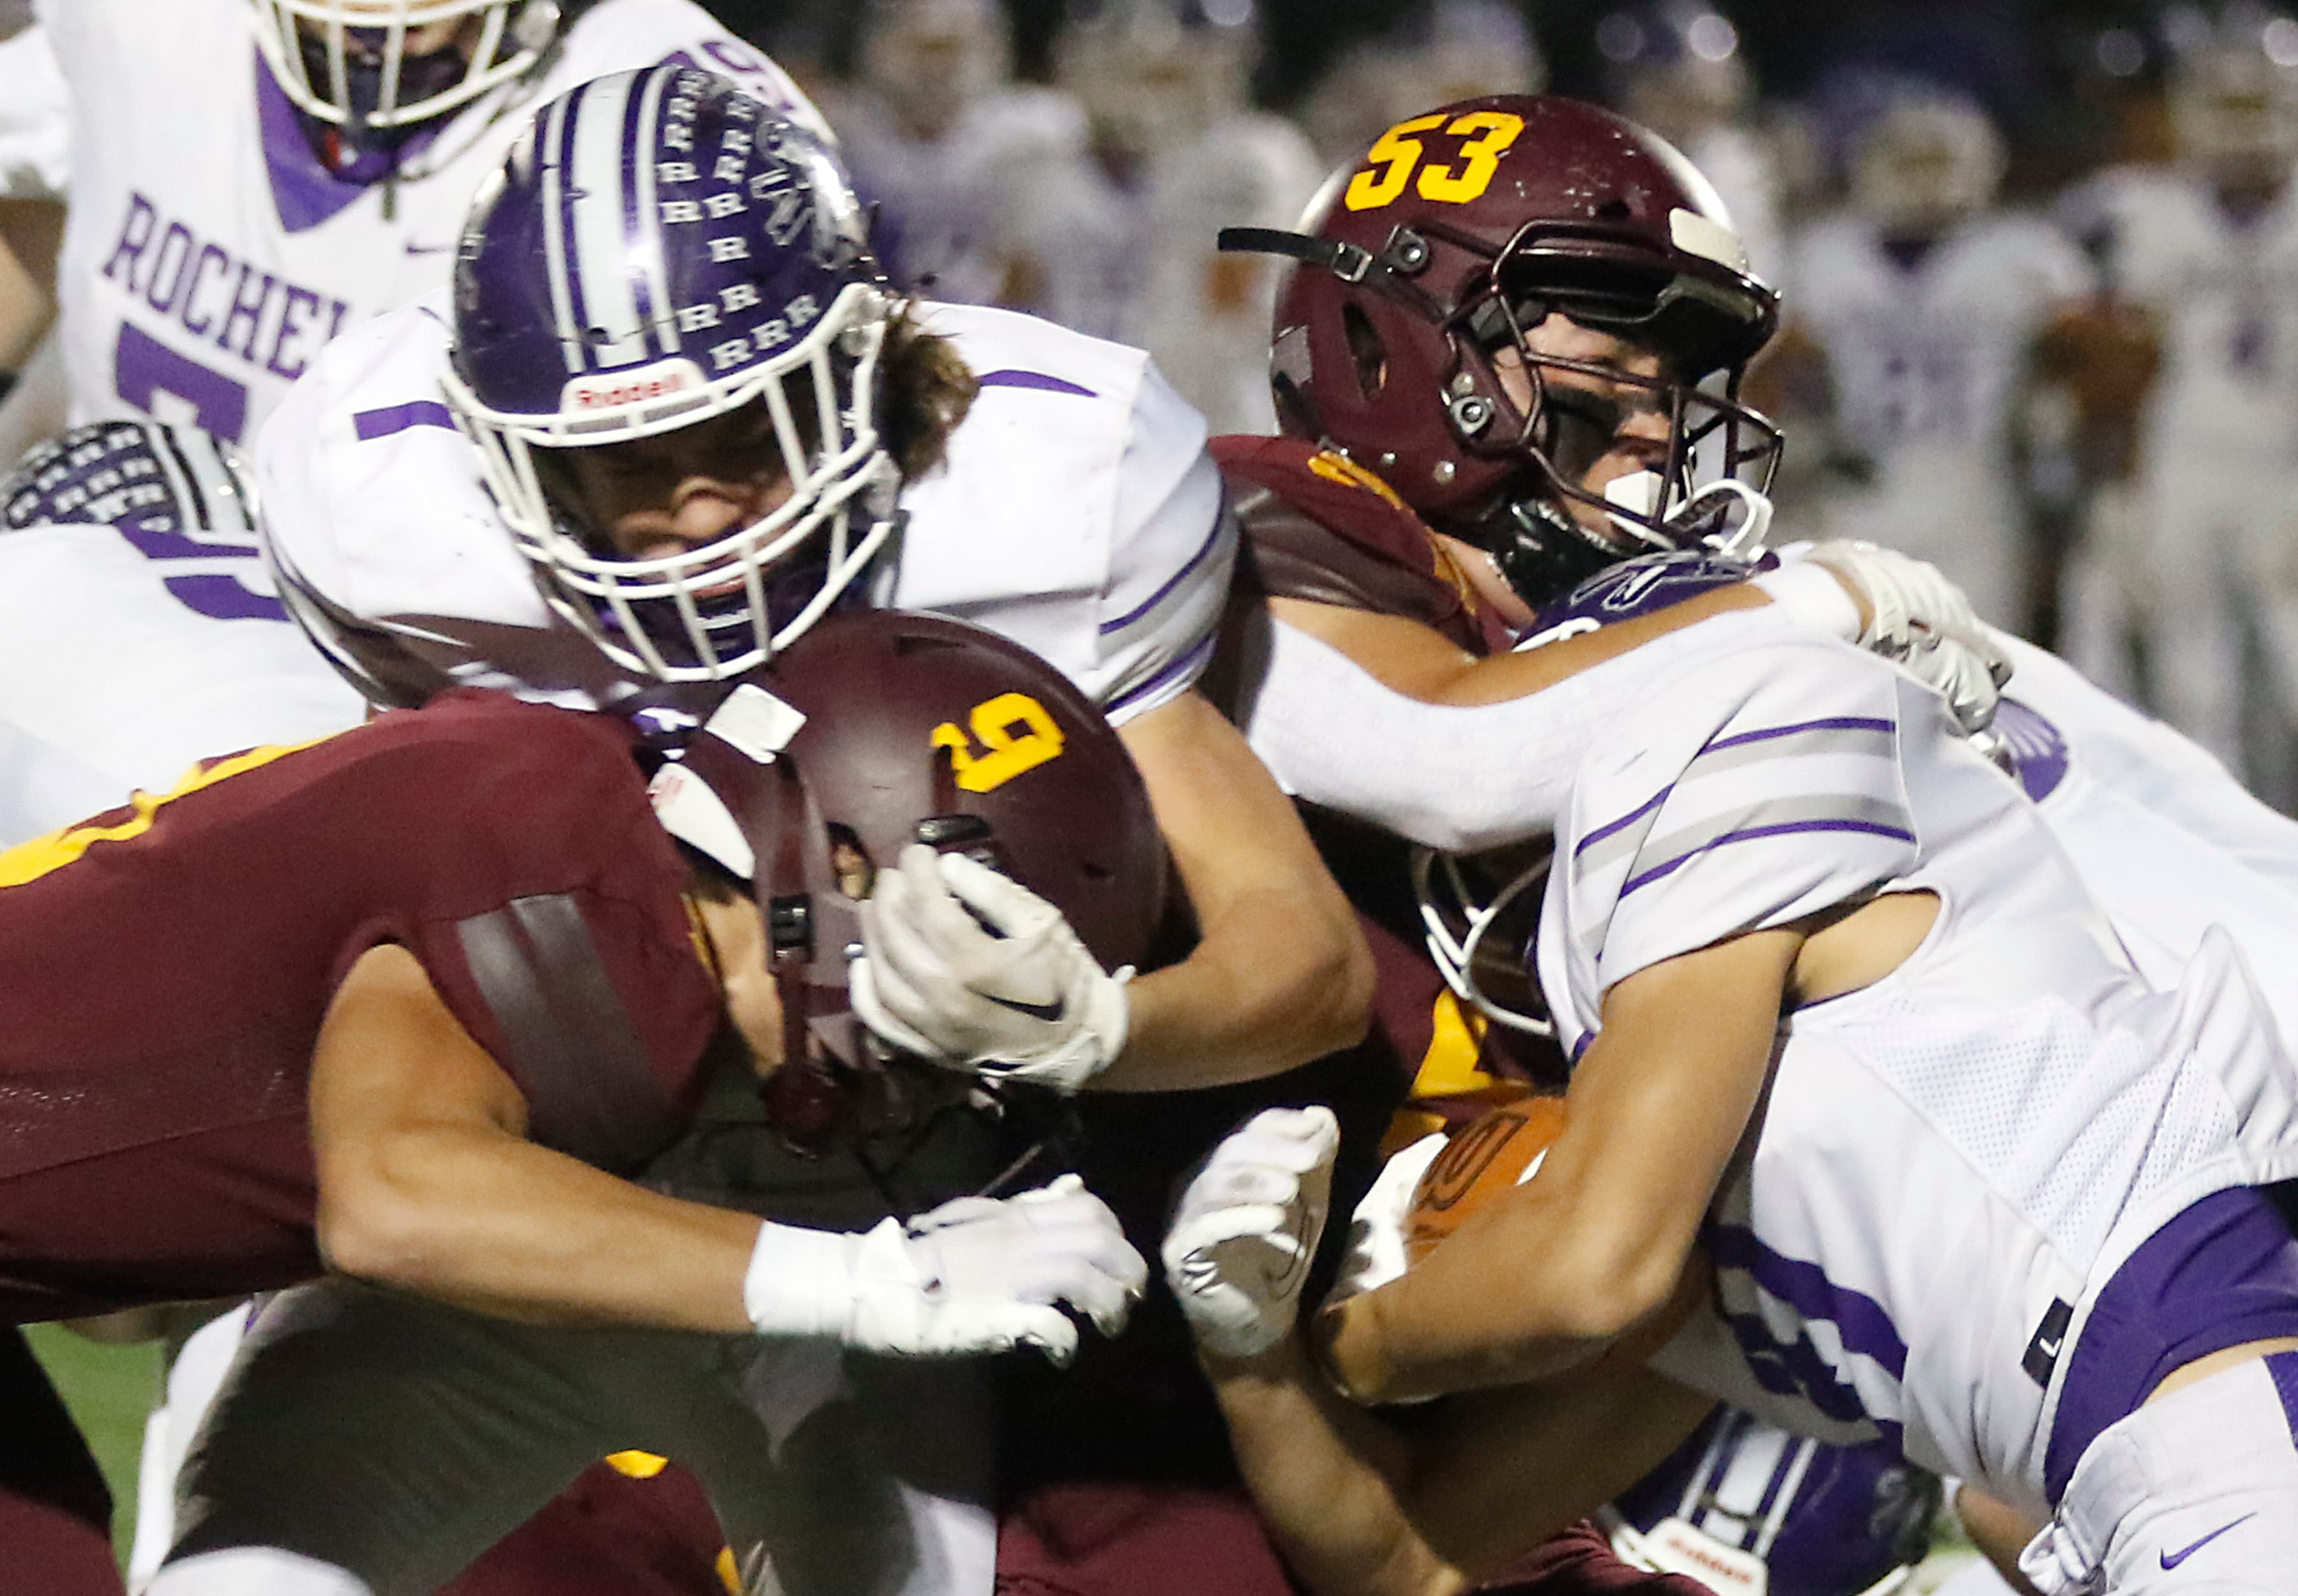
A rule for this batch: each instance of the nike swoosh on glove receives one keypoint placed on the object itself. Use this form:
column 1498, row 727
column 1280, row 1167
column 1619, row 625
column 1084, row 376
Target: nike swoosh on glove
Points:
column 1247, row 1227
column 1919, row 619
column 971, row 969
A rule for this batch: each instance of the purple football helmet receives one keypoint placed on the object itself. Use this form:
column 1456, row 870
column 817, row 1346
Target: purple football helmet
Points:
column 1751, row 1511
column 140, row 475
column 656, row 251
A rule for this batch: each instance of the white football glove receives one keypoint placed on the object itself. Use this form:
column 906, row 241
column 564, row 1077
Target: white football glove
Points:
column 1247, row 1227
column 978, row 1275
column 1919, row 619
column 1026, row 999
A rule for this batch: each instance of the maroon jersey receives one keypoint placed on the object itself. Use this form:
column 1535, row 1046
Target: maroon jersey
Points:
column 1320, row 527
column 166, row 968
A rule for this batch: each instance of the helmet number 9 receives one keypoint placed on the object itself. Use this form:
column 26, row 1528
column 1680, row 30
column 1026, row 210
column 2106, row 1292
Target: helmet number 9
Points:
column 1005, row 754
column 1394, row 155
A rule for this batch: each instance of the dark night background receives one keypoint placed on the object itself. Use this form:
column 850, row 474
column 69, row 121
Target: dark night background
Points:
column 2031, row 63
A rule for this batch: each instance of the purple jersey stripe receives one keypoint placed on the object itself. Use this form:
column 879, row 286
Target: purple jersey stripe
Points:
column 1795, row 1369
column 371, row 425
column 1752, row 833
column 223, row 598
column 1212, row 541
column 1040, row 381
column 1834, row 722
column 1626, row 821
column 1186, row 665
column 1865, row 1328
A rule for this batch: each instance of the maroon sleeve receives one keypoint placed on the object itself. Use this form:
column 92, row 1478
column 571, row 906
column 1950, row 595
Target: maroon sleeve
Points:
column 1318, row 527
column 1581, row 1562
column 552, row 923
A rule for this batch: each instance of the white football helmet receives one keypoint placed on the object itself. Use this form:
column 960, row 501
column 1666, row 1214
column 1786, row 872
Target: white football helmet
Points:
column 2234, row 109
column 1152, row 75
column 1925, row 162
column 930, row 59
column 347, row 62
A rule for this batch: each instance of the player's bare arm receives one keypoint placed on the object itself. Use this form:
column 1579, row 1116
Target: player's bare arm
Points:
column 1281, row 974
column 427, row 1183
column 1421, row 663
column 1362, row 1507
column 1556, row 1272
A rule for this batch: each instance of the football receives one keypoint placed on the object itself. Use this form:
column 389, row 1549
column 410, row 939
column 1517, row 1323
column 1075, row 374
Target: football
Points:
column 1484, row 1158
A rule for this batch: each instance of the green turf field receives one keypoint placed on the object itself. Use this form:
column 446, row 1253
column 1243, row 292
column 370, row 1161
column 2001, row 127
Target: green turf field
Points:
column 108, row 1389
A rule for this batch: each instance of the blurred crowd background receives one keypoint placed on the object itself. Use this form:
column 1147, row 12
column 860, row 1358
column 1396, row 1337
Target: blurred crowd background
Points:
column 2039, row 259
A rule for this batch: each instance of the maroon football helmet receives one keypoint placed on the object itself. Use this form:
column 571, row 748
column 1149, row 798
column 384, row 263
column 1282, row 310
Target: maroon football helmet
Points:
column 877, row 730
column 1456, row 234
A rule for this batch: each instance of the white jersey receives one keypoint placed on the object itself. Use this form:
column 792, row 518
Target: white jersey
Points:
column 2167, row 841
column 2195, row 561
column 126, row 656
column 1077, row 513
column 953, row 206
column 1930, row 350
column 1138, row 262
column 2225, row 290
column 1926, row 357
column 208, row 253
column 1952, row 1162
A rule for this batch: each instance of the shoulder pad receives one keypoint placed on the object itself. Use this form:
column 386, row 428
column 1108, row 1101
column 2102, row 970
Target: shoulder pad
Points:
column 1320, row 527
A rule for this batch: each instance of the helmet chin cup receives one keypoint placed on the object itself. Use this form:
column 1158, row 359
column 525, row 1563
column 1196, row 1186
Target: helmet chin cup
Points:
column 1543, row 551
column 1539, row 548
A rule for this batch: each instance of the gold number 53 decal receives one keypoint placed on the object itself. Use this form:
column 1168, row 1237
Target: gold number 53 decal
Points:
column 1016, row 734
column 1395, row 154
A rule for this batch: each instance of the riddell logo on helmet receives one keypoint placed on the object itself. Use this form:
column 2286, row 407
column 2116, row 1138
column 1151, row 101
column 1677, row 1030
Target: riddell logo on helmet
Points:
column 609, row 391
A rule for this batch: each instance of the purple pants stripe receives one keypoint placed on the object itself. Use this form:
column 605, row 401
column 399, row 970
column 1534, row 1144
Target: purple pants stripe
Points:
column 2282, row 1368
column 2223, row 1272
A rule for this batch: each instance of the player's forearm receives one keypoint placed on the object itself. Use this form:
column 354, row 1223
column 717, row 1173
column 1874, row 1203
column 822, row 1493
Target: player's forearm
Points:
column 1456, row 1322
column 1501, row 677
column 500, row 1226
column 1327, row 1480
column 1280, row 974
column 1283, row 978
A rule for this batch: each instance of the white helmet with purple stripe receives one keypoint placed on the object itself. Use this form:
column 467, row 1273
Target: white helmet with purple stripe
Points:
column 359, row 64
column 656, row 251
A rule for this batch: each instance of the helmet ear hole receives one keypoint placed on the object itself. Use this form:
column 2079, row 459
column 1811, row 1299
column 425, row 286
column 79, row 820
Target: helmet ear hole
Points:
column 1368, row 351
column 856, row 872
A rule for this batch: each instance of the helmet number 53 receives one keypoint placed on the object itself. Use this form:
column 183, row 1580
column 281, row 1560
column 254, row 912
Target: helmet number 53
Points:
column 1395, row 156
column 1016, row 734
